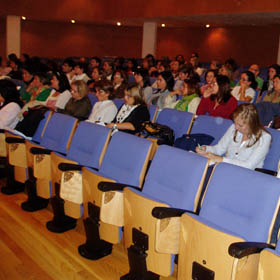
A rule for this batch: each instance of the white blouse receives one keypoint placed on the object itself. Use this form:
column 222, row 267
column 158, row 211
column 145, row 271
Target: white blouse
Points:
column 248, row 93
column 238, row 153
column 8, row 115
column 103, row 111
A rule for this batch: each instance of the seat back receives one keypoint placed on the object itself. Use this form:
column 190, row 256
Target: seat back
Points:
column 176, row 177
column 273, row 156
column 59, row 132
column 263, row 95
column 89, row 144
column 118, row 102
column 179, row 121
column 153, row 109
column 37, row 137
column 214, row 126
column 241, row 201
column 92, row 98
column 126, row 158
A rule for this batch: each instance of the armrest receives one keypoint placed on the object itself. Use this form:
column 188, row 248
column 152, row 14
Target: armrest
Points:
column 111, row 186
column 242, row 249
column 266, row 171
column 166, row 212
column 40, row 151
column 12, row 140
column 69, row 167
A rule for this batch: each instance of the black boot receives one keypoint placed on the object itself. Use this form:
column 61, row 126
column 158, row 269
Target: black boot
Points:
column 94, row 248
column 60, row 222
column 12, row 186
column 34, row 202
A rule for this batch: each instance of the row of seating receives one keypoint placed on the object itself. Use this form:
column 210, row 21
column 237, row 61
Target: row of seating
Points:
column 167, row 176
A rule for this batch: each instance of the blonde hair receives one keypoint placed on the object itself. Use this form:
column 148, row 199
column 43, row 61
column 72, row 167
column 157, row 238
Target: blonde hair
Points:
column 249, row 115
column 81, row 87
column 134, row 92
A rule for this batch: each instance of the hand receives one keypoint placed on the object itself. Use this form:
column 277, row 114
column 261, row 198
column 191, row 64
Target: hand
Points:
column 214, row 157
column 201, row 150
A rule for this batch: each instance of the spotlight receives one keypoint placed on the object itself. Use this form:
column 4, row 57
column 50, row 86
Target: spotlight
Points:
column 23, row 18
column 118, row 23
column 73, row 21
column 207, row 25
column 163, row 25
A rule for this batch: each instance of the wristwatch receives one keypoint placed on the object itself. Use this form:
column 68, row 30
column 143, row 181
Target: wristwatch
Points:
column 115, row 126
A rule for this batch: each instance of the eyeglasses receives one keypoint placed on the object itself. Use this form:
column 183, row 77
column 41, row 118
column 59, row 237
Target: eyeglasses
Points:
column 244, row 80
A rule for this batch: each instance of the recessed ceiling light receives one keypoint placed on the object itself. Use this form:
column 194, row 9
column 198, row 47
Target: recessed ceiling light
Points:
column 207, row 25
column 163, row 25
column 118, row 23
column 23, row 18
column 73, row 21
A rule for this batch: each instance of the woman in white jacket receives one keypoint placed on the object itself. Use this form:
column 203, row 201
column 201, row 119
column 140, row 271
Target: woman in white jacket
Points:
column 246, row 143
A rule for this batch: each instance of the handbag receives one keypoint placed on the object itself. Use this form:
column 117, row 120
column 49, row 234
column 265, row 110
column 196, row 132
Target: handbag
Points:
column 163, row 133
column 189, row 142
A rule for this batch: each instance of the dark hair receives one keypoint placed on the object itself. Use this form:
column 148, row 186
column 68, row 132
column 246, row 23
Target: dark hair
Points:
column 193, row 86
column 97, row 59
column 251, row 78
column 13, row 57
column 43, row 77
column 82, row 65
column 100, row 71
column 144, row 73
column 224, row 92
column 107, row 86
column 70, row 62
column 63, row 82
column 276, row 67
column 28, row 67
column 9, row 92
column 168, row 77
column 181, row 61
column 122, row 73
column 231, row 64
column 211, row 70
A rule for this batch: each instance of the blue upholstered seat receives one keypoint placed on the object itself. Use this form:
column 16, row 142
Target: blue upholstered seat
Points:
column 214, row 126
column 175, row 180
column 239, row 205
column 118, row 102
column 179, row 121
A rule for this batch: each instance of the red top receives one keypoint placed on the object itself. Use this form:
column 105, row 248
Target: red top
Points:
column 207, row 105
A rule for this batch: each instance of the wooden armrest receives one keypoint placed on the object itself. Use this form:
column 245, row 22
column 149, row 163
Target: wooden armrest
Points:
column 242, row 249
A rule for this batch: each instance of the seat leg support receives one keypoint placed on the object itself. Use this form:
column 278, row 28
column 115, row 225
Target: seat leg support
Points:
column 12, row 186
column 137, row 258
column 94, row 248
column 34, row 202
column 60, row 222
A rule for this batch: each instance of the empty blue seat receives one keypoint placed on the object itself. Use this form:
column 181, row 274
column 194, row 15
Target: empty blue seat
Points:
column 239, row 205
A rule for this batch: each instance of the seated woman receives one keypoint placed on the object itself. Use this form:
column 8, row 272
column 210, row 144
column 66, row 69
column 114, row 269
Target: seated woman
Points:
column 28, row 77
column 217, row 100
column 165, row 84
column 60, row 94
column 246, row 143
column 273, row 70
column 10, row 104
column 274, row 95
column 143, row 81
column 246, row 90
column 226, row 71
column 39, row 92
column 132, row 114
column 210, row 78
column 190, row 97
column 96, row 76
column 105, row 110
column 78, row 105
column 119, row 79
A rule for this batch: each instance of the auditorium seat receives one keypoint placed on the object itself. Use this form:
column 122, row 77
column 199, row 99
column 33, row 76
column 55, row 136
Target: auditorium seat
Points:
column 125, row 161
column 214, row 126
column 16, row 152
column 152, row 217
column 57, row 137
column 239, row 205
column 87, row 148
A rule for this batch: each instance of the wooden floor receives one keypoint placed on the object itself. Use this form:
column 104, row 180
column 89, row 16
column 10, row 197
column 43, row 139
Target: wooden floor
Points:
column 29, row 251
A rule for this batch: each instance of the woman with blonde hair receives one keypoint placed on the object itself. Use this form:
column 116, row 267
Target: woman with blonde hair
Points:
column 246, row 143
column 79, row 105
column 133, row 112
